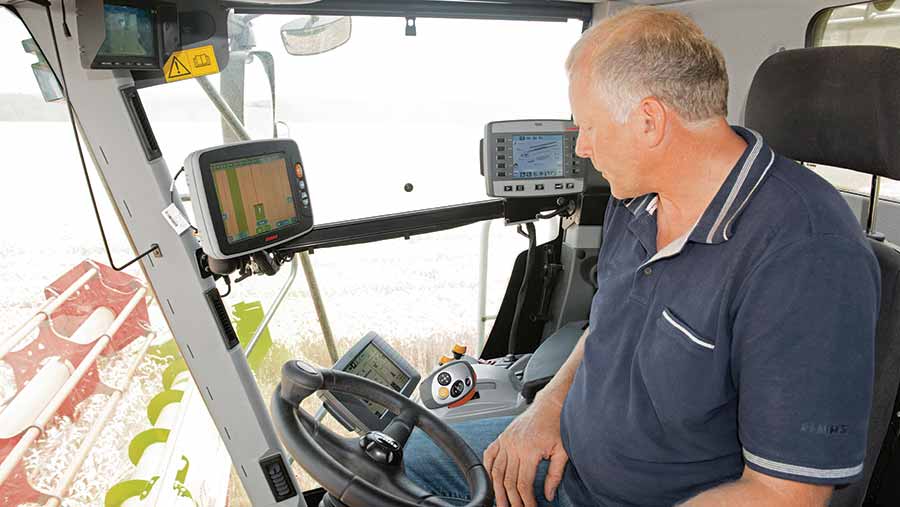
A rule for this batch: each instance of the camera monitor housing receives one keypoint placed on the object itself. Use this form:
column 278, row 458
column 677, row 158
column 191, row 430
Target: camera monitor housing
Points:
column 138, row 35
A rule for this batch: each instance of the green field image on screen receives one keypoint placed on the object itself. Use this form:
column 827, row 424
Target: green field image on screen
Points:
column 254, row 196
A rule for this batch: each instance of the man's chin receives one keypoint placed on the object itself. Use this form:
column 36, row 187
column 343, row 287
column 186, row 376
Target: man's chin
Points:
column 620, row 193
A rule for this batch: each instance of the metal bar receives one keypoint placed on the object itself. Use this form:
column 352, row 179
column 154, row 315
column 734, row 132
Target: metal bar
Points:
column 126, row 311
column 482, row 280
column 273, row 307
column 399, row 225
column 48, row 308
column 527, row 10
column 320, row 306
column 227, row 113
column 37, row 315
column 873, row 204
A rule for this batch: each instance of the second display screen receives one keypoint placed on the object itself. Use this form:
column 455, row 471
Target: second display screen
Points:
column 537, row 156
column 373, row 364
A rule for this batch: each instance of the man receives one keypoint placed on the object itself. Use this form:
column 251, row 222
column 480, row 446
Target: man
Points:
column 729, row 358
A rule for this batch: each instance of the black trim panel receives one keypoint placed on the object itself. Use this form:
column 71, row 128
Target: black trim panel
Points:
column 514, row 10
column 394, row 226
column 141, row 123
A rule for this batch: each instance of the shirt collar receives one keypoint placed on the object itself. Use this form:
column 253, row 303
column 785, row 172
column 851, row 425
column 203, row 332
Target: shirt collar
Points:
column 716, row 225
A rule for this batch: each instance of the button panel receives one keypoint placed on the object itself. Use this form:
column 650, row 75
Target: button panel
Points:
column 449, row 385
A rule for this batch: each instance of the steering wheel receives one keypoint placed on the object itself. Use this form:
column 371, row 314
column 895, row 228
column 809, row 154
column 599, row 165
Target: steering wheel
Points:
column 367, row 471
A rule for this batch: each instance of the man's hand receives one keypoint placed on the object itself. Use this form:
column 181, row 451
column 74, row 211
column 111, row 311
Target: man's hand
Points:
column 513, row 458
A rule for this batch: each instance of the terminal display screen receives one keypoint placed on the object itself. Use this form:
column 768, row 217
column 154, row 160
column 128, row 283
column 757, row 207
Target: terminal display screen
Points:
column 537, row 156
column 129, row 32
column 373, row 364
column 254, row 195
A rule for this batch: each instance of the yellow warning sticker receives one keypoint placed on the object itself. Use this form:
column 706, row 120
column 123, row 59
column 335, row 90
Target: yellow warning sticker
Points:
column 190, row 63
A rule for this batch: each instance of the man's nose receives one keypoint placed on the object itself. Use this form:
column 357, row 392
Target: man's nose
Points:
column 582, row 146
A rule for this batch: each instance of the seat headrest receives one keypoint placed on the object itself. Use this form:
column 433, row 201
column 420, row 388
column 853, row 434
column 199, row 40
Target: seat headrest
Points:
column 837, row 106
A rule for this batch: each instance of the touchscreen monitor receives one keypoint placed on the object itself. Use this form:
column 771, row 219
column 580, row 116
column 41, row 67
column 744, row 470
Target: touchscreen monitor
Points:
column 255, row 196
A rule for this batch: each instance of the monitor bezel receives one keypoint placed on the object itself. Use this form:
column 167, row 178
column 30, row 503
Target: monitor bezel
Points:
column 248, row 150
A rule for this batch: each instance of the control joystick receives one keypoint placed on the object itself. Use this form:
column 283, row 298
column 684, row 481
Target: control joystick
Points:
column 451, row 385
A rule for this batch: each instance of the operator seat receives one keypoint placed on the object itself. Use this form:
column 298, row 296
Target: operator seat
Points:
column 840, row 106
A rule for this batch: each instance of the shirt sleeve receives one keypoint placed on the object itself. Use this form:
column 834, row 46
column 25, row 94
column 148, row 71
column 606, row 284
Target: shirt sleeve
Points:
column 802, row 360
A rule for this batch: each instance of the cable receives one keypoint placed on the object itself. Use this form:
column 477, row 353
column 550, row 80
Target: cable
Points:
column 154, row 247
column 172, row 186
column 523, row 288
column 566, row 208
column 228, row 283
column 172, row 196
column 66, row 30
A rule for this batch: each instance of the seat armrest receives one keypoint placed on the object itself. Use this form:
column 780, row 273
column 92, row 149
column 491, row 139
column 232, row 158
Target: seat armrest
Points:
column 549, row 358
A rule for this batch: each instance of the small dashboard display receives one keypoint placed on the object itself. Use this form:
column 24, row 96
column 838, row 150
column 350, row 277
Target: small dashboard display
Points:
column 537, row 156
column 373, row 364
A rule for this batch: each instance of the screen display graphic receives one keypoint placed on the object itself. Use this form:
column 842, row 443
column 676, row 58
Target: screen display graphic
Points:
column 254, row 196
column 537, row 156
column 129, row 31
column 372, row 364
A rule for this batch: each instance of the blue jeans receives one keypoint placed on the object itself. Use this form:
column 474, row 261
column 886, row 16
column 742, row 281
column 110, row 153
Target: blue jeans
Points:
column 434, row 471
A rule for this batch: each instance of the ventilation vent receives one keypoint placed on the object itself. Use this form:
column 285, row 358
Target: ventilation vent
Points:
column 225, row 328
column 141, row 123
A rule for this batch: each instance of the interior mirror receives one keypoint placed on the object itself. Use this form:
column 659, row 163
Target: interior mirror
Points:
column 312, row 35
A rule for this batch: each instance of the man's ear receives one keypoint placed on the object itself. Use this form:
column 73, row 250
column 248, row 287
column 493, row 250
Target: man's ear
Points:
column 653, row 118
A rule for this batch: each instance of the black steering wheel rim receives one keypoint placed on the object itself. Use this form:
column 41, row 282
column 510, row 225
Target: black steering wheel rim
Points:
column 340, row 465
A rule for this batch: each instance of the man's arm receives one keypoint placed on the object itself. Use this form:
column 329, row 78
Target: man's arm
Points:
column 512, row 465
column 802, row 355
column 754, row 488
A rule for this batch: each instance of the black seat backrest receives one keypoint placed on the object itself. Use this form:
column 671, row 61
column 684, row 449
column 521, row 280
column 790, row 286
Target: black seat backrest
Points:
column 840, row 106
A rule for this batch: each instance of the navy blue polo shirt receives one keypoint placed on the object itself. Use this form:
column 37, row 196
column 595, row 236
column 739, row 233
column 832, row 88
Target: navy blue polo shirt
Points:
column 748, row 341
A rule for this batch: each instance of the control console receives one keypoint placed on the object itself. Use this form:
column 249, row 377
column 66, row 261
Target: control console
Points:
column 532, row 158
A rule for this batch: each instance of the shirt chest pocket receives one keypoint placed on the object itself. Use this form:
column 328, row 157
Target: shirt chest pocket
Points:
column 678, row 368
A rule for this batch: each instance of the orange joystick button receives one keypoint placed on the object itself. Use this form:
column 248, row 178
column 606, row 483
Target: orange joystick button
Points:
column 459, row 350
column 443, row 393
column 444, row 360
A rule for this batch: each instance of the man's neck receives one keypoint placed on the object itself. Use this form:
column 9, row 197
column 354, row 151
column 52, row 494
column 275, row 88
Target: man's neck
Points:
column 699, row 161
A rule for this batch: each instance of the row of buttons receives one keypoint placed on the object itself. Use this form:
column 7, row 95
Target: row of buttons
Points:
column 521, row 188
